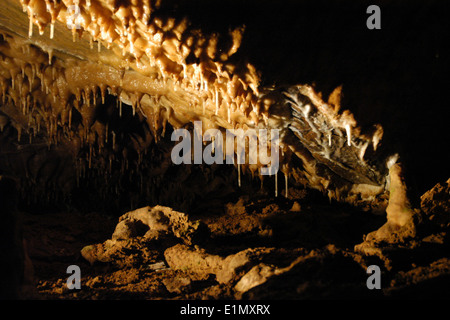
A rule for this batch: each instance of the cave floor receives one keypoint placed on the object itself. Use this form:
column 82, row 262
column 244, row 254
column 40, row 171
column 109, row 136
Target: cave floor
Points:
column 310, row 239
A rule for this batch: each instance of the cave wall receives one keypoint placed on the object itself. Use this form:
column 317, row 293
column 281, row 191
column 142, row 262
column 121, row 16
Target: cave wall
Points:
column 394, row 76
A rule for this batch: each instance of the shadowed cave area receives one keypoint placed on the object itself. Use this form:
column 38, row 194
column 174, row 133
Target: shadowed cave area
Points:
column 87, row 177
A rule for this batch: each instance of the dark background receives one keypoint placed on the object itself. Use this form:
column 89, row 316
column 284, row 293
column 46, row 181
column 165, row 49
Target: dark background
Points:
column 396, row 76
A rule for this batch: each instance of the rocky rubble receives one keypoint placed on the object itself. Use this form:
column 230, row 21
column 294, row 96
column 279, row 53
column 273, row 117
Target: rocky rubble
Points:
column 156, row 252
column 436, row 205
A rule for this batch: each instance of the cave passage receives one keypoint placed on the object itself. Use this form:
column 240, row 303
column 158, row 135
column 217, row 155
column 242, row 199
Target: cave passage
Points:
column 87, row 115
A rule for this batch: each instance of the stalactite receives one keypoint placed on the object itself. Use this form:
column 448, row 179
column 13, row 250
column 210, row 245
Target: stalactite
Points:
column 239, row 175
column 286, row 180
column 30, row 27
column 276, row 184
column 221, row 94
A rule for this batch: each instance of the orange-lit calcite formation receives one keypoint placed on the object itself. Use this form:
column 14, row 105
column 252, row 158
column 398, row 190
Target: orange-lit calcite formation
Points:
column 167, row 70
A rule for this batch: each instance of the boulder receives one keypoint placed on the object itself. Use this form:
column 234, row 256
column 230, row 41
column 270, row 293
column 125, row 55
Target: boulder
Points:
column 154, row 222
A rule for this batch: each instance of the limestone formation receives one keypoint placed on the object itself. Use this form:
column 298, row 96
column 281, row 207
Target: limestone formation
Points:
column 92, row 92
column 171, row 73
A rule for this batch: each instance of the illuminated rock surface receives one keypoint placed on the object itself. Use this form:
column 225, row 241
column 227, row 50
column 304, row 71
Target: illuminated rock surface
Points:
column 87, row 113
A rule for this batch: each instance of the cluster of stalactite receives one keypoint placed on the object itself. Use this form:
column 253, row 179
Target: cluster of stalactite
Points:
column 109, row 109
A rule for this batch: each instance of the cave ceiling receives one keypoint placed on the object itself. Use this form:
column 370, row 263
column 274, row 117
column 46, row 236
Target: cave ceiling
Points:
column 91, row 89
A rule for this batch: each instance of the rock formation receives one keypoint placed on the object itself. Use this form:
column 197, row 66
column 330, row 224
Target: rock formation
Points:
column 171, row 73
column 92, row 90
